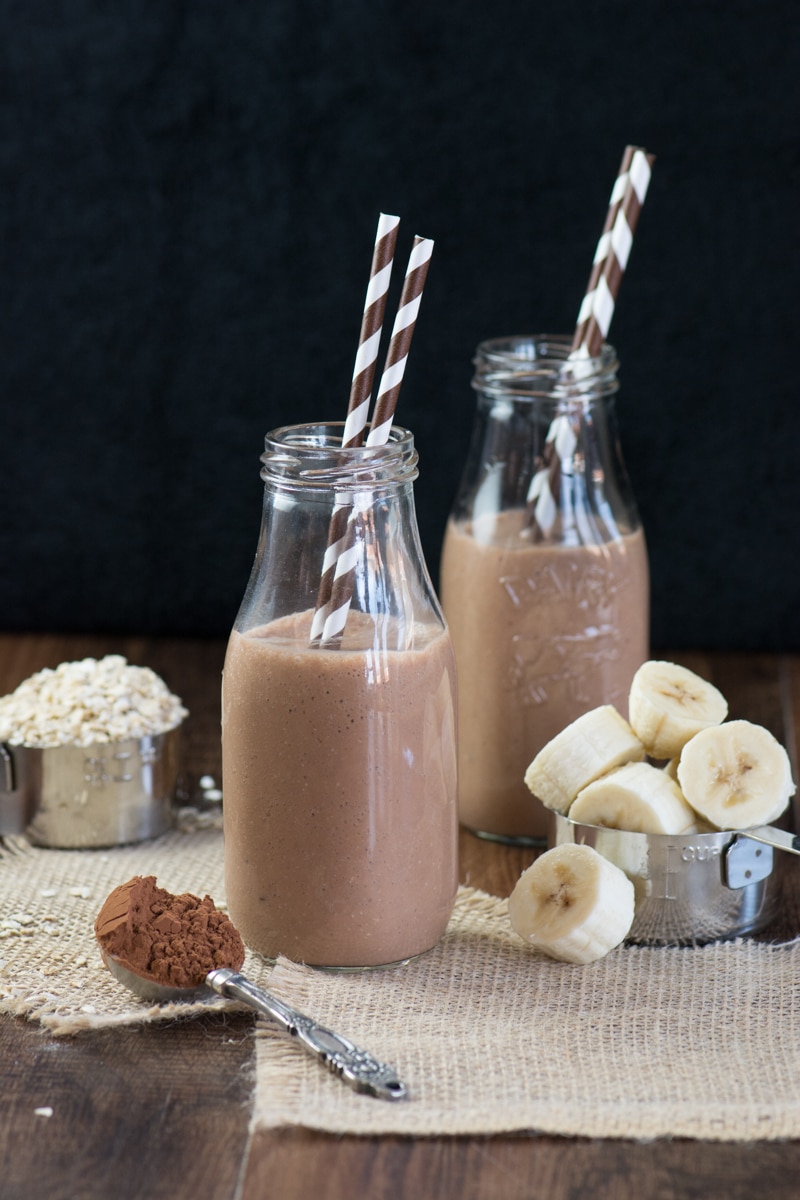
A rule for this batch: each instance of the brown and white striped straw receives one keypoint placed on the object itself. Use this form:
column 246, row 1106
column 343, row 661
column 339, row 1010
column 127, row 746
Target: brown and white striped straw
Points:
column 613, row 249
column 381, row 425
column 594, row 319
column 360, row 396
column 371, row 327
column 402, row 333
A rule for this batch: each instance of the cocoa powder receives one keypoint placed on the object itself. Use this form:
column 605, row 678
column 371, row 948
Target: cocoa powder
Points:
column 173, row 940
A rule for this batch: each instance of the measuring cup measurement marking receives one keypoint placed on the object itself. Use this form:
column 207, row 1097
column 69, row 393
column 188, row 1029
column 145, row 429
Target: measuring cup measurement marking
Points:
column 664, row 885
column 98, row 773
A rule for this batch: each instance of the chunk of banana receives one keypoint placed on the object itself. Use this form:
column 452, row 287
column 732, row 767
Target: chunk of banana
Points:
column 736, row 775
column 669, row 704
column 572, row 904
column 637, row 797
column 591, row 746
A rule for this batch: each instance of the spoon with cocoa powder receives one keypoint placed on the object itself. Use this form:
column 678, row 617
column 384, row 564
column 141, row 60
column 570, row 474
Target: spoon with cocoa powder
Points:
column 164, row 948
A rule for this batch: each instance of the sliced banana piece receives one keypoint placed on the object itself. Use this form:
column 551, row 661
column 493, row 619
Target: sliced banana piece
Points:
column 736, row 775
column 629, row 853
column 702, row 825
column 671, row 769
column 639, row 798
column 591, row 746
column 669, row 704
column 572, row 904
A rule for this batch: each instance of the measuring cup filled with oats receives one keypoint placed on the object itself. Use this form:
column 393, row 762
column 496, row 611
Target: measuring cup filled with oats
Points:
column 89, row 754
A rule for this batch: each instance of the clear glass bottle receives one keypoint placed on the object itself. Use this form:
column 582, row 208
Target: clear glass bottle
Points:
column 339, row 762
column 544, row 574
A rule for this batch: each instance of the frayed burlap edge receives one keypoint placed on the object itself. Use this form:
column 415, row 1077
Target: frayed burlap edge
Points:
column 492, row 1037
column 50, row 968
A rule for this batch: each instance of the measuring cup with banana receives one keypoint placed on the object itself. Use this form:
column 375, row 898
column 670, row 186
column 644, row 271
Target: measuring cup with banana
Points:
column 678, row 798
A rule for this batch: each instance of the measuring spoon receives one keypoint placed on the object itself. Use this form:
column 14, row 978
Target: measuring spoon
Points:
column 356, row 1067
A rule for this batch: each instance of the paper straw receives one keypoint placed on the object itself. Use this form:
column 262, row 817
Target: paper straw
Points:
column 543, row 493
column 594, row 319
column 402, row 333
column 601, row 252
column 360, row 396
column 383, row 417
column 371, row 327
column 613, row 250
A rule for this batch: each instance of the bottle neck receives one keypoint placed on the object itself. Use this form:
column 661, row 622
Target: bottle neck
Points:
column 334, row 514
column 545, row 441
column 541, row 367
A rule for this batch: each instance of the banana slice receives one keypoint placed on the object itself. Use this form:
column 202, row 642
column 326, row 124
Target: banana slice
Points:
column 638, row 798
column 701, row 824
column 592, row 746
column 669, row 704
column 671, row 769
column 736, row 775
column 572, row 904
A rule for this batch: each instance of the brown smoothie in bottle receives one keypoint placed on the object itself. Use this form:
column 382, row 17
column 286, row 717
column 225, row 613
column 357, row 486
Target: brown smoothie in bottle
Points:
column 542, row 633
column 340, row 793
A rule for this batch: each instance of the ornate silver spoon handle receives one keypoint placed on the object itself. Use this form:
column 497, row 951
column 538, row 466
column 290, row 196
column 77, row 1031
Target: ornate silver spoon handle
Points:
column 356, row 1067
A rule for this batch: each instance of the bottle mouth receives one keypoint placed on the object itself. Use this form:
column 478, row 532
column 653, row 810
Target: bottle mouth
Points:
column 312, row 455
column 530, row 365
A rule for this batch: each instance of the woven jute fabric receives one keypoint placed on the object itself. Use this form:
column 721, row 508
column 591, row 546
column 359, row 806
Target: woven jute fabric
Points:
column 50, row 966
column 488, row 1035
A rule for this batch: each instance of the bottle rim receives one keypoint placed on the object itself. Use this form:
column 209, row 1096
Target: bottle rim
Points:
column 542, row 365
column 311, row 455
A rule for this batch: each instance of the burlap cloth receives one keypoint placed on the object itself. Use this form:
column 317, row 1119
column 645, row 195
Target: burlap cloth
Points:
column 489, row 1036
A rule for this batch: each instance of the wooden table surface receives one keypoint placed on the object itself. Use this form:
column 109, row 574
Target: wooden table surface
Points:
column 163, row 1111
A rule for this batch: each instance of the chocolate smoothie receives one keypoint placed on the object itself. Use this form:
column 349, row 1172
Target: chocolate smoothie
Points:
column 340, row 792
column 542, row 633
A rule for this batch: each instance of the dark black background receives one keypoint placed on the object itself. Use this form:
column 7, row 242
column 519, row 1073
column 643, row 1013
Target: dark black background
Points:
column 189, row 199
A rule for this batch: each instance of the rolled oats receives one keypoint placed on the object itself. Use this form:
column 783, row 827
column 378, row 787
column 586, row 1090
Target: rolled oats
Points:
column 88, row 701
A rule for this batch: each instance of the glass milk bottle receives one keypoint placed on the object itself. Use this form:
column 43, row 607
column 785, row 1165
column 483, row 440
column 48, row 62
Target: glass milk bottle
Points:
column 339, row 760
column 544, row 574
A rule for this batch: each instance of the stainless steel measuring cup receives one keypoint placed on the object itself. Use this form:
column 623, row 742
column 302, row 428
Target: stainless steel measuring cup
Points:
column 74, row 797
column 692, row 888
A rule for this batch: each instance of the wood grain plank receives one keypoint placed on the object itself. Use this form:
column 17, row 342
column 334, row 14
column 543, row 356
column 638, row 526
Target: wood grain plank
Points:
column 492, row 866
column 159, row 1111
column 515, row 1168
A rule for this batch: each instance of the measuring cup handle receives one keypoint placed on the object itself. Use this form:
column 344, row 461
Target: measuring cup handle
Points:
column 6, row 770
column 768, row 835
column 17, row 804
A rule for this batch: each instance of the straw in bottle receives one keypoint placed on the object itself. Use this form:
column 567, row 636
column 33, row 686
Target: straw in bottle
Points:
column 402, row 333
column 360, row 396
column 380, row 428
column 594, row 319
column 613, row 249
column 371, row 327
